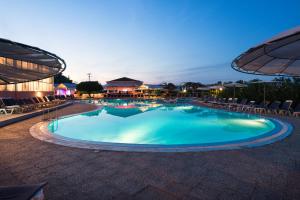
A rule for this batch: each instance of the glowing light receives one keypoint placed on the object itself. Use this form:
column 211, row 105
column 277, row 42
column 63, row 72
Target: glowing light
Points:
column 38, row 94
column 221, row 89
column 184, row 107
column 136, row 135
column 261, row 120
column 249, row 122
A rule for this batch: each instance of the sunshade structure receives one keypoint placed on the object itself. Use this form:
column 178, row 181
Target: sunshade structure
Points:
column 277, row 56
column 235, row 85
column 22, row 63
column 203, row 88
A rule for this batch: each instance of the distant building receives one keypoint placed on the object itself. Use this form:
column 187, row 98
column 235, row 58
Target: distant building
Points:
column 122, row 85
column 64, row 88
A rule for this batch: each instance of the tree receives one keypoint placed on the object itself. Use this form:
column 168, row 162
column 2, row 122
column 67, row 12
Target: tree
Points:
column 60, row 78
column 169, row 86
column 89, row 87
column 192, row 86
column 241, row 81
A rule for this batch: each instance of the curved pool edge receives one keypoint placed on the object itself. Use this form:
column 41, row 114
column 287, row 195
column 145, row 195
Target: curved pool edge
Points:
column 40, row 131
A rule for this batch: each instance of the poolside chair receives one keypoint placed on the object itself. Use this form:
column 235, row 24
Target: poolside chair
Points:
column 12, row 106
column 37, row 102
column 23, row 192
column 240, row 105
column 29, row 102
column 274, row 107
column 220, row 103
column 286, row 108
column 22, row 104
column 232, row 104
column 53, row 100
column 4, row 110
column 261, row 108
column 47, row 100
column 248, row 107
column 296, row 112
column 43, row 102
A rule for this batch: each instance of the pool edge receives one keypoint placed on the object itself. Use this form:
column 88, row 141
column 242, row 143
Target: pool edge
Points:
column 40, row 131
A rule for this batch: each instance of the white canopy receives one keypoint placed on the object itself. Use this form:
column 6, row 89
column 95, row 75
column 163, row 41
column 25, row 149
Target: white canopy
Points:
column 22, row 63
column 278, row 56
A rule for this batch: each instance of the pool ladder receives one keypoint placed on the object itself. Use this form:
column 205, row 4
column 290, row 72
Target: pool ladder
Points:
column 50, row 114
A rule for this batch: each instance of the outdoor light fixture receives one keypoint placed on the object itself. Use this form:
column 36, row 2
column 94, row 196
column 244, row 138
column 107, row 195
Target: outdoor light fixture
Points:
column 38, row 94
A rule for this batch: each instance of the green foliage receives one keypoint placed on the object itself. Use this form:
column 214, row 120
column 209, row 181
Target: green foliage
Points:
column 281, row 89
column 60, row 78
column 89, row 87
column 169, row 86
column 192, row 86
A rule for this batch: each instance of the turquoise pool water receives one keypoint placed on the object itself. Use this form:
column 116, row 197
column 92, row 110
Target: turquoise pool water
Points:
column 150, row 122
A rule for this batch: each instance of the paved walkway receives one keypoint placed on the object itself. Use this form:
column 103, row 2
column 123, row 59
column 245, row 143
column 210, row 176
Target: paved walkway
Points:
column 268, row 172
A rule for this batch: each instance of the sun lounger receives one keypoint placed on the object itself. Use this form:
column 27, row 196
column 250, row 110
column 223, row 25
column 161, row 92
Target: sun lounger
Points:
column 239, row 106
column 248, row 107
column 53, row 100
column 296, row 112
column 286, row 108
column 23, row 105
column 274, row 107
column 6, row 111
column 12, row 106
column 261, row 108
column 23, row 192
column 232, row 103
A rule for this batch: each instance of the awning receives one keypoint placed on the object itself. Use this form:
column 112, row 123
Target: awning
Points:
column 278, row 56
column 22, row 63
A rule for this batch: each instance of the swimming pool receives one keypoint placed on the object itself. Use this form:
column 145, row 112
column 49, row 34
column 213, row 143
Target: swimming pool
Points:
column 161, row 126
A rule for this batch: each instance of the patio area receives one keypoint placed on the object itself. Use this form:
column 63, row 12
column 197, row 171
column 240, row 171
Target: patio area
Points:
column 268, row 172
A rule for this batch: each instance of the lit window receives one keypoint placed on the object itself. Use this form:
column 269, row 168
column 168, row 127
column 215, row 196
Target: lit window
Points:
column 2, row 60
column 9, row 62
column 24, row 65
column 19, row 64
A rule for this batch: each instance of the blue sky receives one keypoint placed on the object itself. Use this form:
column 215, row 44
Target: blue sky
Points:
column 150, row 40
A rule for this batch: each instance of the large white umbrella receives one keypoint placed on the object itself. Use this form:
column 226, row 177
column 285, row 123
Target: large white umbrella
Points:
column 279, row 55
column 203, row 88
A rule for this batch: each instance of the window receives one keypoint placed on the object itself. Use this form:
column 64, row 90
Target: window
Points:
column 45, row 85
column 19, row 64
column 2, row 60
column 9, row 61
column 24, row 65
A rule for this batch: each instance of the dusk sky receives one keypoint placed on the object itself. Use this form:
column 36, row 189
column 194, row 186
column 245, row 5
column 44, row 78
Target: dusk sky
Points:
column 150, row 40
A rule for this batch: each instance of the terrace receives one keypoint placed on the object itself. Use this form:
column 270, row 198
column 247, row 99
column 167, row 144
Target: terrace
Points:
column 267, row 172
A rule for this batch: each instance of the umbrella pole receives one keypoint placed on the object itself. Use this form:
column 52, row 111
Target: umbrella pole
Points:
column 264, row 93
column 234, row 92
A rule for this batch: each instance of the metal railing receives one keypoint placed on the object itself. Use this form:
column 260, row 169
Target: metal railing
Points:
column 50, row 114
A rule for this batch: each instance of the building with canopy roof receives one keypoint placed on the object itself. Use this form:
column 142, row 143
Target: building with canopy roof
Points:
column 122, row 85
column 27, row 71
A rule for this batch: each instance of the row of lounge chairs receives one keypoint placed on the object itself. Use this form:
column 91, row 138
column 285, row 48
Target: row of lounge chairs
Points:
column 10, row 106
column 264, row 107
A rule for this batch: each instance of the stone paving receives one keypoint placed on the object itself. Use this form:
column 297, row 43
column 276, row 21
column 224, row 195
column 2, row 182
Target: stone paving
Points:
column 268, row 172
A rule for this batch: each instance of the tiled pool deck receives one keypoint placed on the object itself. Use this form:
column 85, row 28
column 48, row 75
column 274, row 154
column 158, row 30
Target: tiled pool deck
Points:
column 268, row 172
